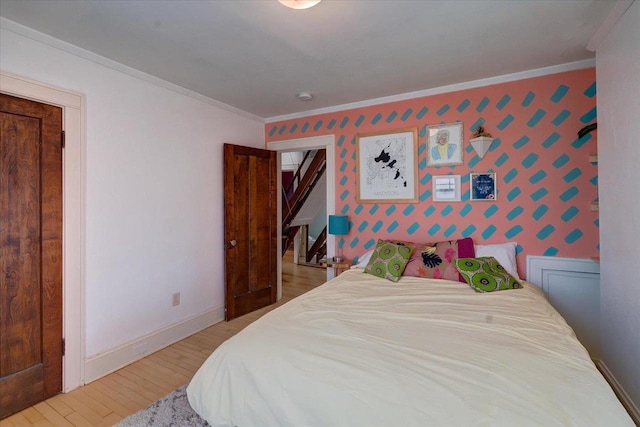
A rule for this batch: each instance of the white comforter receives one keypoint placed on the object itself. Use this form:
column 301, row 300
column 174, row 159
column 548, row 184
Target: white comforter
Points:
column 363, row 351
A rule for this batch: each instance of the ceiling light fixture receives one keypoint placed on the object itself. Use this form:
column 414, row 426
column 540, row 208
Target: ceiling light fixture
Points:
column 305, row 96
column 299, row 4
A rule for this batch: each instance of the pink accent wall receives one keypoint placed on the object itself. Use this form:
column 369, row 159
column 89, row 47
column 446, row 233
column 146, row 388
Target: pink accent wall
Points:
column 545, row 182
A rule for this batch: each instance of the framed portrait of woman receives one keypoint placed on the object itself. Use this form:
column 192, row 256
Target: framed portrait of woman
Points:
column 444, row 145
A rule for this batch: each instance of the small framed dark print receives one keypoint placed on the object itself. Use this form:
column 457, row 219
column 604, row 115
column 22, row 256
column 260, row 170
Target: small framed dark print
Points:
column 483, row 186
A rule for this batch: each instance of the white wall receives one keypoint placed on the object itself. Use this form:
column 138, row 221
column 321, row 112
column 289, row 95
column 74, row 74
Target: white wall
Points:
column 154, row 192
column 618, row 80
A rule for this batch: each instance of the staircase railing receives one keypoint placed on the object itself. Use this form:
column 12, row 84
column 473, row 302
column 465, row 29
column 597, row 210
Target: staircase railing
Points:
column 296, row 177
column 302, row 191
column 319, row 247
column 291, row 206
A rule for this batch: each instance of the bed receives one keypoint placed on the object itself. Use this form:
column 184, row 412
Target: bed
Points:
column 364, row 351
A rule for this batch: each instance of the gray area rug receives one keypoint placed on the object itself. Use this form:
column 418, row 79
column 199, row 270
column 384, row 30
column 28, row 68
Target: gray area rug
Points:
column 171, row 410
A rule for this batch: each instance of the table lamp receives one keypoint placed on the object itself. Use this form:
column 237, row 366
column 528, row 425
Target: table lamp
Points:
column 338, row 226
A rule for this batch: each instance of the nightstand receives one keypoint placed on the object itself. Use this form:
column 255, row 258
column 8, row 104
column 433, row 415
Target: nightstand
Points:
column 338, row 267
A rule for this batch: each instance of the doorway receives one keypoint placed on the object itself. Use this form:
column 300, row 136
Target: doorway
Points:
column 73, row 105
column 250, row 220
column 304, row 204
column 31, row 345
column 303, row 144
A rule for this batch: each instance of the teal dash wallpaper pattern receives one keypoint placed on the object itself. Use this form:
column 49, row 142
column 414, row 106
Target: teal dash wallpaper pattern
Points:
column 545, row 181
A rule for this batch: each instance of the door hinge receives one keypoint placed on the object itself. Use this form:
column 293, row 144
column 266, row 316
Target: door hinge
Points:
column 62, row 139
column 64, row 346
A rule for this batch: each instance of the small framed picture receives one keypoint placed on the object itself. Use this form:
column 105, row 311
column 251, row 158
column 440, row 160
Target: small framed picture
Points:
column 444, row 145
column 483, row 186
column 446, row 188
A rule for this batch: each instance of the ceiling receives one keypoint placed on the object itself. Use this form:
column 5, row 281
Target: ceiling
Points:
column 256, row 55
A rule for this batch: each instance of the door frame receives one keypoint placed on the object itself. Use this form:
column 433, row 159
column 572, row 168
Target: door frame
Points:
column 303, row 144
column 73, row 222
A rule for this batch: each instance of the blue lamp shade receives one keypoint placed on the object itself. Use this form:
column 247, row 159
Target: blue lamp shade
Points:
column 338, row 225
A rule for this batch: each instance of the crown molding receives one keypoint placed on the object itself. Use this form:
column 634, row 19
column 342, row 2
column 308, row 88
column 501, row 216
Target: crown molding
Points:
column 616, row 13
column 101, row 60
column 37, row 36
column 554, row 69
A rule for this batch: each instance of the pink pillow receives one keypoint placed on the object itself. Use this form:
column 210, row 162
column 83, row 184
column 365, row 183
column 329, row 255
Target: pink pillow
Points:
column 435, row 260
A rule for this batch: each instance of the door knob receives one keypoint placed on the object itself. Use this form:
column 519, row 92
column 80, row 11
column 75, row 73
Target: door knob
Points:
column 233, row 242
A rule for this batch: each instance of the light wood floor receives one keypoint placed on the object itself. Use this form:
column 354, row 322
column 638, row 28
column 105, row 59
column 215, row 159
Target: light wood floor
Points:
column 116, row 396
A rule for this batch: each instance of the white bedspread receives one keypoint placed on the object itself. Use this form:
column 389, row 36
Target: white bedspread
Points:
column 363, row 351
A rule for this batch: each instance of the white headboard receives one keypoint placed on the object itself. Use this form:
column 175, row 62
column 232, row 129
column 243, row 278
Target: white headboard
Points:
column 572, row 286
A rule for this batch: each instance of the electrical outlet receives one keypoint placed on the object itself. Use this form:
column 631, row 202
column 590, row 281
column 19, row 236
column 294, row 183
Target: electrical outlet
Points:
column 176, row 299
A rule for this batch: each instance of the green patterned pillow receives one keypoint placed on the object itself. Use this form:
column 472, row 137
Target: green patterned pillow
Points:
column 485, row 274
column 389, row 260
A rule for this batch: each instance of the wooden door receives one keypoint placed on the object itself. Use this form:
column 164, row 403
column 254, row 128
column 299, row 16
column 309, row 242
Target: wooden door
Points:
column 250, row 229
column 30, row 253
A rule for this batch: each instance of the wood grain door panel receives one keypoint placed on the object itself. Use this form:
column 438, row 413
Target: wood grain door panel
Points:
column 250, row 229
column 30, row 253
column 20, row 346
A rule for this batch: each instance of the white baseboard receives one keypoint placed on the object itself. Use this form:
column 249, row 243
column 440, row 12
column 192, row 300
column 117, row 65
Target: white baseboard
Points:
column 105, row 363
column 626, row 401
